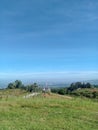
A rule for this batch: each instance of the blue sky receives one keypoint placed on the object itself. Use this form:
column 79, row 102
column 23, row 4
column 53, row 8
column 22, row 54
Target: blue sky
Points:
column 49, row 39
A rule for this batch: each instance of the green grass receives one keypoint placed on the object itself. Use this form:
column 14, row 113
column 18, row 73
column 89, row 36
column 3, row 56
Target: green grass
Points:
column 52, row 112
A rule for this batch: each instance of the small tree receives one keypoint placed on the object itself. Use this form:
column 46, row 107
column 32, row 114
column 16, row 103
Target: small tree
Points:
column 10, row 86
column 18, row 84
column 35, row 86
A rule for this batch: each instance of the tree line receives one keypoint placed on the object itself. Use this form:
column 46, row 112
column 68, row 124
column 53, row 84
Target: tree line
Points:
column 78, row 85
column 19, row 85
column 78, row 89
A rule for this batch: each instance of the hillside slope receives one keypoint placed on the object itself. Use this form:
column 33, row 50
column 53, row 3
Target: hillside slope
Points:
column 47, row 112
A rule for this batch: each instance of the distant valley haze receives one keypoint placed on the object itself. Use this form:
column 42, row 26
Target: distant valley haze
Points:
column 50, row 78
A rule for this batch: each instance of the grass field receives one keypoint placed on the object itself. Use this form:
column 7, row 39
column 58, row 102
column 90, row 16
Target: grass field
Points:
column 50, row 112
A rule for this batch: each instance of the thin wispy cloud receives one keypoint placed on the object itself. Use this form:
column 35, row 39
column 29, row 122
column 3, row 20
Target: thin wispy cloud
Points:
column 69, row 75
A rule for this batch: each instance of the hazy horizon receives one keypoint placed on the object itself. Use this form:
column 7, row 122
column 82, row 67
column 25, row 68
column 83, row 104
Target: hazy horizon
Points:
column 50, row 76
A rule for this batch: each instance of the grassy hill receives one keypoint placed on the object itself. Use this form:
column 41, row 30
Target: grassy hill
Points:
column 46, row 112
column 87, row 92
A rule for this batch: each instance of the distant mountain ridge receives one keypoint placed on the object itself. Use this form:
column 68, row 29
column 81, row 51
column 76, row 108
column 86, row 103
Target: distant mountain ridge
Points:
column 95, row 82
column 4, row 83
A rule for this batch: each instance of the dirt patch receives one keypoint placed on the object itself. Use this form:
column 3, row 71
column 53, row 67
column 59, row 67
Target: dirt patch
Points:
column 51, row 95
